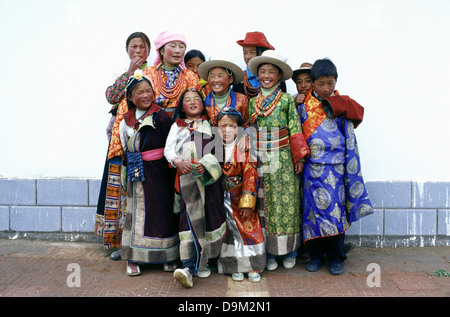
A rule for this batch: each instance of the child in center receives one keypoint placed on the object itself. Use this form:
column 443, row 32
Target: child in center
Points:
column 202, row 217
column 281, row 151
column 333, row 190
column 222, row 75
column 243, row 249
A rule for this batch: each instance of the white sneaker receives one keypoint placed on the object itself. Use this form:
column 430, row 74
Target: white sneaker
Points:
column 271, row 264
column 288, row 263
column 237, row 277
column 183, row 277
column 254, row 277
column 204, row 272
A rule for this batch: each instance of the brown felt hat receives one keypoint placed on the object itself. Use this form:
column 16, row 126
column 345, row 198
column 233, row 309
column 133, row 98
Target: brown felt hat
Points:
column 304, row 68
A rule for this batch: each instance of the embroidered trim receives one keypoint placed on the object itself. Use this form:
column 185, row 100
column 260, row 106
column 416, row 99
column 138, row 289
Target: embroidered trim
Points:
column 130, row 116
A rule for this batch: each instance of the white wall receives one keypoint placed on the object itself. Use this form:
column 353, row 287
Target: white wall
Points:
column 58, row 57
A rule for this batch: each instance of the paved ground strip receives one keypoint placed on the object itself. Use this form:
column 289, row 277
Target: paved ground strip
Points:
column 30, row 268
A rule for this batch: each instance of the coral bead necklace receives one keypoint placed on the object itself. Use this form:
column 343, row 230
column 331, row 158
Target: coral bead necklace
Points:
column 262, row 111
column 169, row 92
column 249, row 90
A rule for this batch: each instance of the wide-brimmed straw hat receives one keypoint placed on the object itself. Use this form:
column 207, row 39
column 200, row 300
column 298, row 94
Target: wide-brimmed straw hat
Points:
column 205, row 67
column 255, row 39
column 270, row 57
column 304, row 68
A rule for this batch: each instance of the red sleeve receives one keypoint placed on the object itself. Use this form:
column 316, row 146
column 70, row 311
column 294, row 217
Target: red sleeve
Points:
column 299, row 147
column 345, row 106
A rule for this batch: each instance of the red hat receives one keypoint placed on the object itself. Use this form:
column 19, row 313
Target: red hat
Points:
column 255, row 39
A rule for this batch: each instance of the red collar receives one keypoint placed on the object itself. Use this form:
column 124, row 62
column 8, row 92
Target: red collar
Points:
column 184, row 123
column 130, row 116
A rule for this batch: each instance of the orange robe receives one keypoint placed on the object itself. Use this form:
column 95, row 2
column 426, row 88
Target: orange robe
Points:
column 243, row 249
column 241, row 106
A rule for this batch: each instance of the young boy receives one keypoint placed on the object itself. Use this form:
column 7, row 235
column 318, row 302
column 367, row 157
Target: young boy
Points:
column 303, row 82
column 333, row 188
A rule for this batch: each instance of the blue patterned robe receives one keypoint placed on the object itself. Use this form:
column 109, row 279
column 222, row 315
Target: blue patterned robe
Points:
column 333, row 190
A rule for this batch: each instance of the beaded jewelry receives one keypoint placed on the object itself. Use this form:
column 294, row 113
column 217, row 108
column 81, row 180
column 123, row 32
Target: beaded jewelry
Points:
column 249, row 90
column 260, row 110
column 168, row 92
column 226, row 170
column 214, row 110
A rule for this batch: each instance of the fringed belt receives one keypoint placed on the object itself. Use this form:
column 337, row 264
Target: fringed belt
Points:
column 231, row 182
column 275, row 140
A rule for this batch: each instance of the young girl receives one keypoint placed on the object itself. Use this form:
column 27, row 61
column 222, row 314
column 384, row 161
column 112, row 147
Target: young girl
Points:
column 169, row 74
column 202, row 216
column 281, row 148
column 221, row 75
column 150, row 232
column 111, row 199
column 243, row 250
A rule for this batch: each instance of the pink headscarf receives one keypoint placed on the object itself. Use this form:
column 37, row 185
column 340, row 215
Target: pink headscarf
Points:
column 164, row 38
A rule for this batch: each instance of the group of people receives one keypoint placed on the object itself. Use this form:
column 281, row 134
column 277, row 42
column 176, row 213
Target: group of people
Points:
column 218, row 168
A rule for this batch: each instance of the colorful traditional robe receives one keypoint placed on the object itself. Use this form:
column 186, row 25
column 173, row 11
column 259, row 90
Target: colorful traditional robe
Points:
column 187, row 78
column 110, row 205
column 280, row 143
column 202, row 217
column 250, row 85
column 235, row 101
column 150, row 232
column 243, row 249
column 171, row 80
column 333, row 190
column 111, row 202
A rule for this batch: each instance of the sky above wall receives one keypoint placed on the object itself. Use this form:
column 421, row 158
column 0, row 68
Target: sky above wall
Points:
column 58, row 57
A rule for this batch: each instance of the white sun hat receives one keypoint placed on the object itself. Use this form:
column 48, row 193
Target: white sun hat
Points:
column 271, row 57
column 205, row 67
